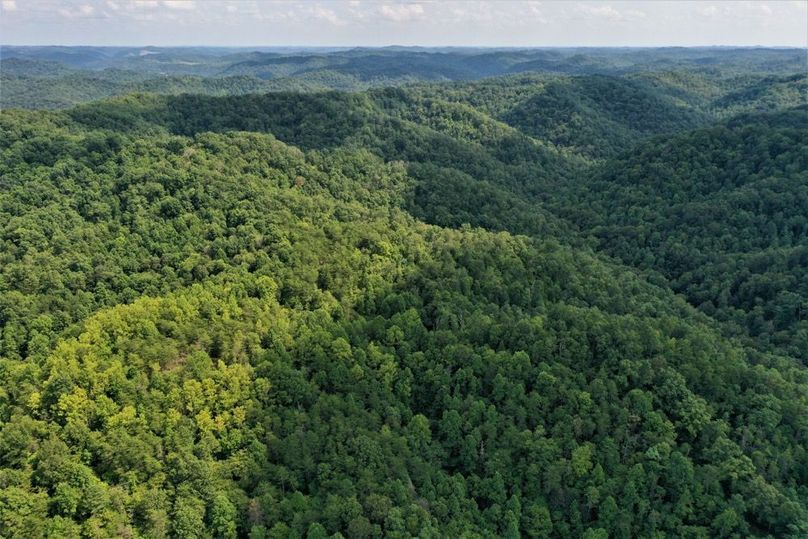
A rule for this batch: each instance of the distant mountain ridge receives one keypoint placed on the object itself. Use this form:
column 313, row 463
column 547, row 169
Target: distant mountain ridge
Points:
column 56, row 77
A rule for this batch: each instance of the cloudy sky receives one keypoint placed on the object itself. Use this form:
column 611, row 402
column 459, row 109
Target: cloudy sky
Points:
column 381, row 22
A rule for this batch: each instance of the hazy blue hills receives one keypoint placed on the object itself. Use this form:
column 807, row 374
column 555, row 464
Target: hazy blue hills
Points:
column 54, row 77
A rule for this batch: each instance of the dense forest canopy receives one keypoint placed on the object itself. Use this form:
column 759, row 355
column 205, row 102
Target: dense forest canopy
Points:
column 486, row 293
column 58, row 77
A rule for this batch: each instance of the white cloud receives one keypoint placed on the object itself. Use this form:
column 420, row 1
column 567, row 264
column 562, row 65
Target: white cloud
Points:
column 601, row 12
column 708, row 11
column 402, row 12
column 84, row 10
column 179, row 4
column 328, row 15
column 475, row 13
column 756, row 8
column 634, row 14
column 607, row 12
column 381, row 22
column 357, row 12
column 743, row 11
column 535, row 12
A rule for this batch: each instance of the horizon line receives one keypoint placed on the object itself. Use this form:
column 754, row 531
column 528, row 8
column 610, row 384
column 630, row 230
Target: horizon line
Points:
column 393, row 45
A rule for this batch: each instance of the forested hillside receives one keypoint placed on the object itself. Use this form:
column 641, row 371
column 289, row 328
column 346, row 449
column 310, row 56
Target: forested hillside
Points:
column 540, row 305
column 719, row 212
column 58, row 77
column 722, row 213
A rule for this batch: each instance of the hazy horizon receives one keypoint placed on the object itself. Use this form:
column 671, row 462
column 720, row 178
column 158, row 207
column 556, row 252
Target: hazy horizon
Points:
column 293, row 47
column 356, row 23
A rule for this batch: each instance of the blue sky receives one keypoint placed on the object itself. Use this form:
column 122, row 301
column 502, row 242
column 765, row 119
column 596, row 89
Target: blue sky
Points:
column 378, row 22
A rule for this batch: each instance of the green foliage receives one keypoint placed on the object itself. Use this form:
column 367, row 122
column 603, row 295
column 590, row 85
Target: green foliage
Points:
column 208, row 331
column 59, row 77
column 721, row 213
column 600, row 116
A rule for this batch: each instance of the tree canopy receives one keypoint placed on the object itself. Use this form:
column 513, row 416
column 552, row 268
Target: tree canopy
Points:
column 528, row 306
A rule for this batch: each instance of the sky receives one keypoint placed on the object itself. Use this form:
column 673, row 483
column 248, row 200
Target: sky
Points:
column 381, row 22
